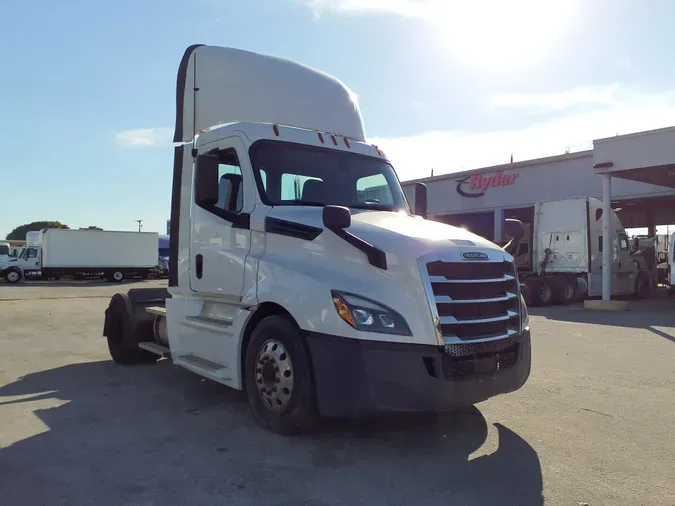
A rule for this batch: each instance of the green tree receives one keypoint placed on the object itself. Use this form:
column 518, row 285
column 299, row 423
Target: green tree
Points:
column 91, row 227
column 19, row 233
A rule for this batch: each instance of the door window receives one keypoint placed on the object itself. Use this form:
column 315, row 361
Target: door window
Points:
column 32, row 253
column 230, row 181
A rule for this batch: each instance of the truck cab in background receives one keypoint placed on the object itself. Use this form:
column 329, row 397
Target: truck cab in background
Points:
column 561, row 257
column 5, row 253
column 298, row 271
column 671, row 265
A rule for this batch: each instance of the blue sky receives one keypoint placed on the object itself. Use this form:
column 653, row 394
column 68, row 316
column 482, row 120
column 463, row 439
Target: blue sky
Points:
column 88, row 89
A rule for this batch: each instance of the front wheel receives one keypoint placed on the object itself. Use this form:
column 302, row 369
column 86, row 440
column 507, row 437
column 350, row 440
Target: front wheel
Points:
column 278, row 378
column 13, row 276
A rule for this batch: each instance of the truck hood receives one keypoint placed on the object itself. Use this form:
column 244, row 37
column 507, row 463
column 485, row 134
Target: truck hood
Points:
column 396, row 233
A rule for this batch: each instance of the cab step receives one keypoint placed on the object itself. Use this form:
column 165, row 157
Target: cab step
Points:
column 155, row 348
column 156, row 310
column 191, row 361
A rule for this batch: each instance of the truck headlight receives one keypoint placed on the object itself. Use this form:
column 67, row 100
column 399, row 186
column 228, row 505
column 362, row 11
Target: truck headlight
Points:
column 524, row 315
column 369, row 316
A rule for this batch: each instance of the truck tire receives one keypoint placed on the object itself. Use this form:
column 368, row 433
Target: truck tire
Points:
column 115, row 276
column 565, row 292
column 542, row 292
column 12, row 275
column 278, row 378
column 122, row 343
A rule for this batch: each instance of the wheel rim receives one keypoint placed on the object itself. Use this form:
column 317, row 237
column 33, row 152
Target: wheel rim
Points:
column 13, row 276
column 544, row 293
column 569, row 292
column 117, row 276
column 274, row 375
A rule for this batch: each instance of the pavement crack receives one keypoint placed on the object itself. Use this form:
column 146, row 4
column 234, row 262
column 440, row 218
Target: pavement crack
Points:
column 598, row 412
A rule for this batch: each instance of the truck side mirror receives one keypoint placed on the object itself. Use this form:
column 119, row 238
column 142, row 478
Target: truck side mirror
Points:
column 516, row 230
column 421, row 200
column 206, row 181
column 336, row 217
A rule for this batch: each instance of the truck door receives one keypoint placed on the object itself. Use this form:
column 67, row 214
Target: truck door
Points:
column 624, row 266
column 218, row 249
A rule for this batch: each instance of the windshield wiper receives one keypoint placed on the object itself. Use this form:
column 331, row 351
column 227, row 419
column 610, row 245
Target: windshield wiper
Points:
column 372, row 207
column 354, row 205
column 305, row 203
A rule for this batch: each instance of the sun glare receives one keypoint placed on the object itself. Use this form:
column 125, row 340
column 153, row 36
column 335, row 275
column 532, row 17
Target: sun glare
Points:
column 494, row 33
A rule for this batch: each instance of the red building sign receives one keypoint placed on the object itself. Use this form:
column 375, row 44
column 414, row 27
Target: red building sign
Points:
column 476, row 185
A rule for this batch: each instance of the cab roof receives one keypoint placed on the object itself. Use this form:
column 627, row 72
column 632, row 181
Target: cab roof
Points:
column 220, row 85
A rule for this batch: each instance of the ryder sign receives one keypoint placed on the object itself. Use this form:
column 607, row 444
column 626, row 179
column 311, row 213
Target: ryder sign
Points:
column 476, row 185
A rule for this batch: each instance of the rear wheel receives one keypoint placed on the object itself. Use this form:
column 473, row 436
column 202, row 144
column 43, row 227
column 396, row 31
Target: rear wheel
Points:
column 122, row 343
column 115, row 276
column 565, row 291
column 278, row 378
column 542, row 292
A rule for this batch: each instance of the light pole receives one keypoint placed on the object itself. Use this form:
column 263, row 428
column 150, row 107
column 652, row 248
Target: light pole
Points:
column 139, row 224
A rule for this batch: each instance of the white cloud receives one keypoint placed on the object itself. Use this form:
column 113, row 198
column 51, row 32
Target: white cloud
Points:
column 451, row 151
column 145, row 137
column 412, row 8
column 625, row 64
column 491, row 32
column 557, row 101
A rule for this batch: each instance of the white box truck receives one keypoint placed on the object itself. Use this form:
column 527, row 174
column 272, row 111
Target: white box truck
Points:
column 560, row 258
column 55, row 252
column 290, row 280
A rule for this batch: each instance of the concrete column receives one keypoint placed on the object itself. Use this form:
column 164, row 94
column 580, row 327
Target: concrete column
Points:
column 607, row 235
column 651, row 223
column 499, row 226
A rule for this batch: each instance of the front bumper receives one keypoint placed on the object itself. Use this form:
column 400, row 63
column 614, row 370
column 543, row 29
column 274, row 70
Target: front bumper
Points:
column 358, row 378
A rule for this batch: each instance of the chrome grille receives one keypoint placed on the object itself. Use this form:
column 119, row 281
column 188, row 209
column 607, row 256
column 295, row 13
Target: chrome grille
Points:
column 473, row 301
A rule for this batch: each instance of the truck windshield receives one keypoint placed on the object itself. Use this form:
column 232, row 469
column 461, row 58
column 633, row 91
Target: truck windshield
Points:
column 4, row 249
column 299, row 175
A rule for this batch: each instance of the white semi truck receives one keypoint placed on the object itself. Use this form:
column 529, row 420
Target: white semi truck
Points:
column 322, row 300
column 54, row 252
column 560, row 257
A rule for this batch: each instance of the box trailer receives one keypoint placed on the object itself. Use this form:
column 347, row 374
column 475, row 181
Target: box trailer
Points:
column 52, row 253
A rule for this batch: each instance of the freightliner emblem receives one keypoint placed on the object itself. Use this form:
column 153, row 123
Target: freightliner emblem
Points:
column 475, row 255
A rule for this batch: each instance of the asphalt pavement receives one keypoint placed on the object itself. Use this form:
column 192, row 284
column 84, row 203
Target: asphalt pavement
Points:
column 594, row 424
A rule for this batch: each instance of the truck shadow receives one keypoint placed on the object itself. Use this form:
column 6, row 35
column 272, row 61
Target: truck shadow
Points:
column 644, row 314
column 158, row 434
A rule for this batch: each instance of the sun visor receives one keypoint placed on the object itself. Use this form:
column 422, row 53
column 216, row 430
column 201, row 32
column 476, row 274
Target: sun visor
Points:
column 220, row 85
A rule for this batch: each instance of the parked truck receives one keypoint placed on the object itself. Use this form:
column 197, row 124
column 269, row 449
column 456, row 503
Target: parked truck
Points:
column 322, row 302
column 53, row 252
column 163, row 256
column 5, row 253
column 560, row 258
